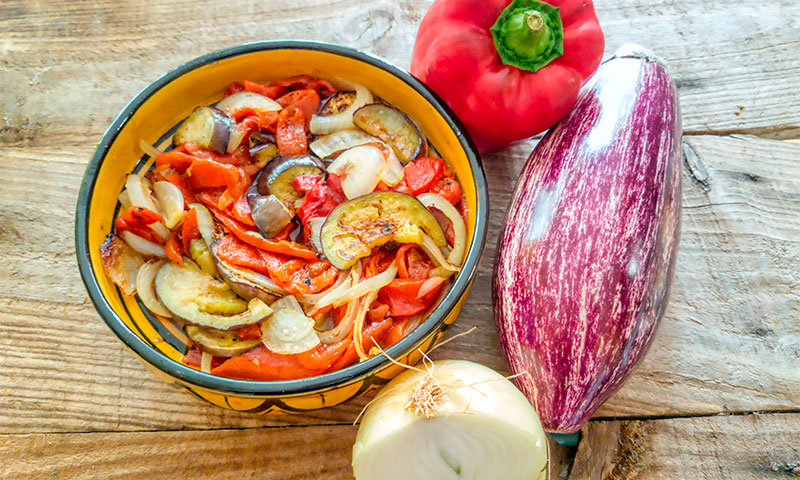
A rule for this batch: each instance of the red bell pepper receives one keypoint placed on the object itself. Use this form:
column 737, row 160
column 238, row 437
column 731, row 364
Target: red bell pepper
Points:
column 136, row 221
column 403, row 296
column 422, row 173
column 174, row 249
column 509, row 70
column 264, row 365
column 291, row 133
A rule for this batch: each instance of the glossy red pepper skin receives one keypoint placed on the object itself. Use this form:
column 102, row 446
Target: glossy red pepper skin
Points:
column 455, row 55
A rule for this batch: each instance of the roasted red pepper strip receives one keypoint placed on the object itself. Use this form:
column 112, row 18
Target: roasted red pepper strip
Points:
column 323, row 356
column 422, row 173
column 263, row 365
column 457, row 55
column 270, row 91
column 402, row 296
column 298, row 276
column 448, row 188
column 183, row 185
column 320, row 196
column 396, row 333
column 250, row 332
column 206, row 173
column 136, row 221
column 283, row 247
column 305, row 100
column 373, row 334
column 189, row 230
column 174, row 249
column 291, row 133
column 411, row 263
column 177, row 160
column 239, row 254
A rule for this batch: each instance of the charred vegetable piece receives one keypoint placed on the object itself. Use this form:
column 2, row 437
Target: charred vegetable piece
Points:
column 246, row 283
column 121, row 263
column 270, row 214
column 200, row 299
column 206, row 126
column 337, row 103
column 391, row 126
column 220, row 342
column 242, row 100
column 277, row 176
column 357, row 226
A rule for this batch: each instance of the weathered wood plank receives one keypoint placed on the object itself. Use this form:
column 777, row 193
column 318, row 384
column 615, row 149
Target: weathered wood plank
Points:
column 729, row 341
column 744, row 447
column 67, row 70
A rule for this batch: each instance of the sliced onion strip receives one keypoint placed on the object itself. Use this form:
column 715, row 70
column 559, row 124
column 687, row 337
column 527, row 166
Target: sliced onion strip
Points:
column 140, row 196
column 358, row 326
column 339, row 286
column 372, row 284
column 327, row 145
column 432, row 200
column 334, row 294
column 343, row 120
column 205, row 362
column 170, row 202
column 344, row 328
column 145, row 287
column 435, row 254
column 205, row 223
column 143, row 246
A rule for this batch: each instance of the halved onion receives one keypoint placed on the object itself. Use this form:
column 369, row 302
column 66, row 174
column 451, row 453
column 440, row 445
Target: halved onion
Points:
column 432, row 200
column 145, row 247
column 452, row 419
column 361, row 167
column 146, row 287
column 327, row 145
column 436, row 255
column 170, row 202
column 140, row 196
column 344, row 120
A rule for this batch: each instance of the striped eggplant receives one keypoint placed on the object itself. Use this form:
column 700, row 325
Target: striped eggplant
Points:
column 586, row 258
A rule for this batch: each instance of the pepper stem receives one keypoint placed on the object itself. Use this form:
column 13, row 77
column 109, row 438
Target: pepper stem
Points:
column 528, row 34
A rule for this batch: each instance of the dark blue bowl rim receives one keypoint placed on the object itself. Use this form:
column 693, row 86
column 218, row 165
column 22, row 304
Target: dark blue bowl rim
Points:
column 289, row 387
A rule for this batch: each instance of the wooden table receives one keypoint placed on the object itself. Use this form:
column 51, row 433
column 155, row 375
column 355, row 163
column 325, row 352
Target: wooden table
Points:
column 717, row 397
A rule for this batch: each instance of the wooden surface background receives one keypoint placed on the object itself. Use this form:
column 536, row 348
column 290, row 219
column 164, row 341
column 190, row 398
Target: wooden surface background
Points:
column 718, row 396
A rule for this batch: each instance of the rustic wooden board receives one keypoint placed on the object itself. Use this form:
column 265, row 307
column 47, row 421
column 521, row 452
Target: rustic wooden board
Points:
column 730, row 341
column 67, row 71
column 744, row 447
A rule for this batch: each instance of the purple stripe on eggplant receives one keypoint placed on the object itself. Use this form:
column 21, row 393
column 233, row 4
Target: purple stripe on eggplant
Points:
column 586, row 258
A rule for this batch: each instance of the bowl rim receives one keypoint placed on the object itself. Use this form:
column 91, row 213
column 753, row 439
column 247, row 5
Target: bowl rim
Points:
column 326, row 381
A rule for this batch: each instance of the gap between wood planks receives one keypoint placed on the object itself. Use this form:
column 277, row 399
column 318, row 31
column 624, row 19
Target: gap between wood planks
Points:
column 646, row 418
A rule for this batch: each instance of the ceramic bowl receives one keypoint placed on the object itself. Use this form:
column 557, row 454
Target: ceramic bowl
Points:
column 154, row 114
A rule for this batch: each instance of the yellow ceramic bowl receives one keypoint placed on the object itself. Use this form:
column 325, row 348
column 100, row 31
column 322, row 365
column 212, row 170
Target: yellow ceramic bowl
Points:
column 153, row 115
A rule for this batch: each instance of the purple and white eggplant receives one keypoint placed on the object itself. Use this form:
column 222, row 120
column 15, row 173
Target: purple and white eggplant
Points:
column 585, row 261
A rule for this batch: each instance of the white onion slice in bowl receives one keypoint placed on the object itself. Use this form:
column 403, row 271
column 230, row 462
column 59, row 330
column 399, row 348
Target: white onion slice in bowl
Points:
column 343, row 120
column 361, row 168
column 170, row 201
column 143, row 246
column 432, row 200
column 145, row 287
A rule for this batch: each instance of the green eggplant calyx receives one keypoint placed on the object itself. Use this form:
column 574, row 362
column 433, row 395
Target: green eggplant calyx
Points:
column 528, row 34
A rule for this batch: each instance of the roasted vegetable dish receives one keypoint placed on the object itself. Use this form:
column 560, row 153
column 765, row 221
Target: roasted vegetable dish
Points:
column 292, row 229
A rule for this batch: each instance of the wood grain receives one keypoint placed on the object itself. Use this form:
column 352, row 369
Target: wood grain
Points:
column 67, row 70
column 744, row 447
column 730, row 341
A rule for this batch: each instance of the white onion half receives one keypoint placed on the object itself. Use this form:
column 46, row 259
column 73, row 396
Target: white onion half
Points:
column 343, row 120
column 170, row 201
column 145, row 287
column 454, row 421
column 143, row 246
column 438, row 202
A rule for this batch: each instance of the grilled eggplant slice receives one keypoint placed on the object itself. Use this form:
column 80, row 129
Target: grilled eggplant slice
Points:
column 270, row 214
column 391, row 126
column 337, row 103
column 219, row 342
column 200, row 299
column 357, row 226
column 206, row 126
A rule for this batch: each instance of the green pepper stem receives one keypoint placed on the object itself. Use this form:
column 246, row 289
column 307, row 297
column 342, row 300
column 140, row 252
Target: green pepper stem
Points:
column 528, row 34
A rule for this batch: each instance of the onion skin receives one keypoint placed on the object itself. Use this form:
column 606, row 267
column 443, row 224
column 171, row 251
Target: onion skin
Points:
column 585, row 261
